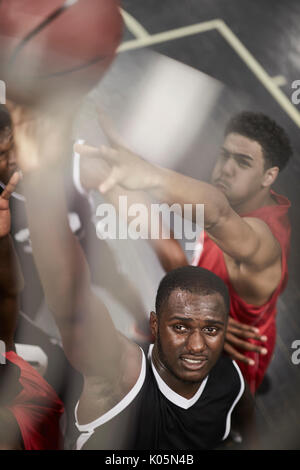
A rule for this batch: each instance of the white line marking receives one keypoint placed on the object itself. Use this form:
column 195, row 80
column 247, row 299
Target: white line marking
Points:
column 168, row 36
column 260, row 72
column 134, row 26
column 235, row 43
column 279, row 80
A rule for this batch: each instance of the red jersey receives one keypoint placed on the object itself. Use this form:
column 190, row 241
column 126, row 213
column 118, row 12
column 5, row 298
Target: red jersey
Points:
column 37, row 408
column 262, row 317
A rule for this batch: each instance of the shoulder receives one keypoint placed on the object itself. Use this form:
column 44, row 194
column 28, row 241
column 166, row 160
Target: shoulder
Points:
column 227, row 378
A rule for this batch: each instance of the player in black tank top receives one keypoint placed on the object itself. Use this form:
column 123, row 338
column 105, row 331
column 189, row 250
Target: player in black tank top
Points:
column 188, row 328
column 160, row 419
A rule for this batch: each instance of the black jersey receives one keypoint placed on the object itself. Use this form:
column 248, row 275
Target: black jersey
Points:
column 155, row 417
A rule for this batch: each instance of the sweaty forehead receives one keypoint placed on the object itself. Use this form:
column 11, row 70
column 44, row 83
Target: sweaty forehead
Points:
column 191, row 304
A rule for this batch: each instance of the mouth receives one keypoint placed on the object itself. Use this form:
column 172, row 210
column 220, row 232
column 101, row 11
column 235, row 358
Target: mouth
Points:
column 194, row 363
column 221, row 185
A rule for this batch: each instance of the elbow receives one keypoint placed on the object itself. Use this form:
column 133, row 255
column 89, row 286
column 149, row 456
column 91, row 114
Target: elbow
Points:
column 216, row 212
column 171, row 255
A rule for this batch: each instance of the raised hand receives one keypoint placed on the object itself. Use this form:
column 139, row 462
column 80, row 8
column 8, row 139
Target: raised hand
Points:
column 5, row 218
column 40, row 138
column 125, row 167
column 237, row 338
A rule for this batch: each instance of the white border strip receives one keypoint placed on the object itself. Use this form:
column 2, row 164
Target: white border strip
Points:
column 117, row 409
column 228, row 419
column 172, row 396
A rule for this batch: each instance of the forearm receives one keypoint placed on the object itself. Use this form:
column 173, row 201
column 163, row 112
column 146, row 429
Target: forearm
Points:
column 234, row 234
column 58, row 255
column 168, row 250
column 172, row 187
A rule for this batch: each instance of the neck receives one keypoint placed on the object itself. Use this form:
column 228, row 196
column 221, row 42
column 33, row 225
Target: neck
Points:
column 184, row 388
column 261, row 199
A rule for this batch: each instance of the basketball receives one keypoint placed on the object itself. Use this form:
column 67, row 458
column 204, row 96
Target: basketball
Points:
column 57, row 47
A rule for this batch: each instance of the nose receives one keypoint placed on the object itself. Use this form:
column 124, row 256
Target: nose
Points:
column 196, row 343
column 228, row 167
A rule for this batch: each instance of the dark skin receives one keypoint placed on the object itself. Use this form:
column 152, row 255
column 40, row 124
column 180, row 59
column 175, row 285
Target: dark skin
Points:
column 189, row 337
column 240, row 183
column 7, row 155
column 11, row 283
column 109, row 362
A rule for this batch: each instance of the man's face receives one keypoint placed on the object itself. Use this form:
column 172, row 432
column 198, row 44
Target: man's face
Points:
column 239, row 170
column 8, row 163
column 190, row 334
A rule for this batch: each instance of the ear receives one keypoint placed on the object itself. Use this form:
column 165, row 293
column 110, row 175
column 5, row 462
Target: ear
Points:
column 270, row 176
column 153, row 324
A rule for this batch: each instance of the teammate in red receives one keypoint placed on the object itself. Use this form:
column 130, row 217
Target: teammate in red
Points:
column 30, row 410
column 246, row 225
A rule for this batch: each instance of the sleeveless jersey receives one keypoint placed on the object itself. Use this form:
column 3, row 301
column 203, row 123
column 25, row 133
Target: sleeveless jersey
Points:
column 154, row 417
column 262, row 317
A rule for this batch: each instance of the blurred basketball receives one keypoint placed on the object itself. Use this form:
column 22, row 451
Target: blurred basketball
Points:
column 56, row 48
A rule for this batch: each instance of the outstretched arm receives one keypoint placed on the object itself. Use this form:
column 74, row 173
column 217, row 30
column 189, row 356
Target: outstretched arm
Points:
column 248, row 241
column 245, row 240
column 11, row 280
column 90, row 340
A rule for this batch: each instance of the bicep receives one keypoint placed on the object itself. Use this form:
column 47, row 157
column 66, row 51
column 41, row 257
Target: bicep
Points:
column 246, row 240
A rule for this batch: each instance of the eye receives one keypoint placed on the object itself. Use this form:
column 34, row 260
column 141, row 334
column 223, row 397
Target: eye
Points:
column 211, row 330
column 243, row 164
column 179, row 328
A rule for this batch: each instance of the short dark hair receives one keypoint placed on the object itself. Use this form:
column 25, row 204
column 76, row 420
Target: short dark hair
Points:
column 273, row 139
column 5, row 119
column 193, row 279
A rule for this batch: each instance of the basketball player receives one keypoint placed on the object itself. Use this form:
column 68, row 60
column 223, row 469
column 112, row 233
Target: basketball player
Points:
column 30, row 410
column 187, row 386
column 7, row 156
column 247, row 230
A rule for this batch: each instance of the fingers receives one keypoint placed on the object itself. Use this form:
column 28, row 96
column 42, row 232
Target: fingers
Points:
column 113, row 179
column 87, row 150
column 245, row 331
column 104, row 152
column 246, row 345
column 237, row 356
column 246, row 334
column 11, row 186
column 242, row 326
